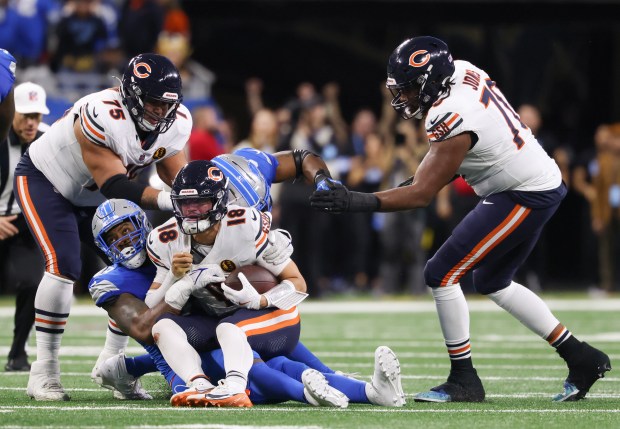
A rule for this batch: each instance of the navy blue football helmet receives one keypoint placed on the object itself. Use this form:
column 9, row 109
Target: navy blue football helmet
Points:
column 423, row 65
column 151, row 77
column 198, row 183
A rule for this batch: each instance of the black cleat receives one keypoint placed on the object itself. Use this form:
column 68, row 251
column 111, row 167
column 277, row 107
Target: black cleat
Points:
column 460, row 387
column 584, row 368
column 20, row 363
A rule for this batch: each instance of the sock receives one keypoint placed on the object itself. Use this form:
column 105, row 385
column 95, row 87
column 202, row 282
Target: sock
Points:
column 301, row 354
column 52, row 305
column 173, row 345
column 268, row 386
column 140, row 365
column 238, row 356
column 115, row 339
column 454, row 320
column 528, row 308
column 354, row 389
column 175, row 382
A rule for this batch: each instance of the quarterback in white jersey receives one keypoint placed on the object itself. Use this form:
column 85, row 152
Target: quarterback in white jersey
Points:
column 87, row 156
column 474, row 132
column 209, row 236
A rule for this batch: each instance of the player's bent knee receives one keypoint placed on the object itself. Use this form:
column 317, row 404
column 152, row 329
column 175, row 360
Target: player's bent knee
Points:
column 166, row 327
column 431, row 279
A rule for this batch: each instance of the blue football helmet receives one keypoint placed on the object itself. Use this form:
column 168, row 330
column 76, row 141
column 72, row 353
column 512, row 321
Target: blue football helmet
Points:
column 197, row 183
column 422, row 64
column 130, row 249
column 246, row 185
column 151, row 77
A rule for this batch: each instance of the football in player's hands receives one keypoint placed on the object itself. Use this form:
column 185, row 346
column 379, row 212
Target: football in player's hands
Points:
column 261, row 278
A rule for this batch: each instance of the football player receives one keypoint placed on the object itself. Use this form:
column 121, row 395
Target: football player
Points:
column 7, row 103
column 250, row 173
column 88, row 155
column 120, row 229
column 474, row 132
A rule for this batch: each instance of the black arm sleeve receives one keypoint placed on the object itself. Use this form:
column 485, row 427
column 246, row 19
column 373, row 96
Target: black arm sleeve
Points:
column 299, row 155
column 119, row 186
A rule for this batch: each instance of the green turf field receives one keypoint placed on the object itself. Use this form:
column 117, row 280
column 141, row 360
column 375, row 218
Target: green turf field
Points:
column 520, row 372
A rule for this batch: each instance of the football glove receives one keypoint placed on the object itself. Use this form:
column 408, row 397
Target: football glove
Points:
column 324, row 182
column 281, row 247
column 178, row 294
column 340, row 200
column 246, row 297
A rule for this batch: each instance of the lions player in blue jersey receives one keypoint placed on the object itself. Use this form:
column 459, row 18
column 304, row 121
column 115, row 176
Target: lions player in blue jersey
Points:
column 7, row 104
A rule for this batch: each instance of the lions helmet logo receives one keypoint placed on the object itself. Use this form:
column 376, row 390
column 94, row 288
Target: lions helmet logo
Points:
column 425, row 58
column 228, row 265
column 159, row 153
column 142, row 74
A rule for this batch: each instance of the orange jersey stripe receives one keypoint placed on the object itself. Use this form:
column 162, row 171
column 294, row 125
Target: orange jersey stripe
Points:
column 91, row 128
column 265, row 317
column 461, row 350
column 36, row 225
column 272, row 328
column 488, row 243
column 261, row 240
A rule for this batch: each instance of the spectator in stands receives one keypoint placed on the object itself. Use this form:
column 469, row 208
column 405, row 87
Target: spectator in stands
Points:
column 82, row 36
column 21, row 262
column 140, row 25
column 197, row 79
column 203, row 141
column 606, row 207
column 264, row 134
column 175, row 18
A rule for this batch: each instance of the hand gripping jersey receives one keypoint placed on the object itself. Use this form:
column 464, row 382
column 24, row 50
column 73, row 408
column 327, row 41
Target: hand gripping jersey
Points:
column 241, row 240
column 506, row 156
column 105, row 121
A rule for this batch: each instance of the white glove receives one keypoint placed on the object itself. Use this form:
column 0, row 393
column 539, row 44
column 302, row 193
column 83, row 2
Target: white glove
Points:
column 179, row 293
column 246, row 297
column 281, row 247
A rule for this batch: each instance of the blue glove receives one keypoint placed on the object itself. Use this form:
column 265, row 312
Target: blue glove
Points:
column 324, row 182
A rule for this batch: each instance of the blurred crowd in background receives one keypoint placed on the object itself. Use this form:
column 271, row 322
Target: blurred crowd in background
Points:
column 76, row 47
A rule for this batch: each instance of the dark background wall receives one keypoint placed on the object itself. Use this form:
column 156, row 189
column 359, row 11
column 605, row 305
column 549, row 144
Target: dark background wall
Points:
column 562, row 56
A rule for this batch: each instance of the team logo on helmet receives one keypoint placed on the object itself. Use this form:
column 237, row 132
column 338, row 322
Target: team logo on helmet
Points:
column 159, row 153
column 146, row 68
column 228, row 265
column 215, row 174
column 425, row 59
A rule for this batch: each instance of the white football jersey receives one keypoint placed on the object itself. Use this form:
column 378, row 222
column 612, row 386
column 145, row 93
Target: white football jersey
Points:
column 506, row 156
column 106, row 122
column 241, row 240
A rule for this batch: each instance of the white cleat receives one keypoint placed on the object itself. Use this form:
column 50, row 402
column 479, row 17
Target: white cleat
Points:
column 44, row 381
column 114, row 376
column 319, row 393
column 386, row 388
column 94, row 373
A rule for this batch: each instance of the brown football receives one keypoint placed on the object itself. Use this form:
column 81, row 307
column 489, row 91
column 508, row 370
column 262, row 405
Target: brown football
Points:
column 259, row 277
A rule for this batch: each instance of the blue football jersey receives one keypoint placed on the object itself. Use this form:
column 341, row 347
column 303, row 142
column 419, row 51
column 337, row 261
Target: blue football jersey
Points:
column 115, row 280
column 7, row 73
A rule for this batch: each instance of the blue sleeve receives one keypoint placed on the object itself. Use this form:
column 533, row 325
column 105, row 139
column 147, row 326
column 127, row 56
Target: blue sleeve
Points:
column 267, row 164
column 7, row 73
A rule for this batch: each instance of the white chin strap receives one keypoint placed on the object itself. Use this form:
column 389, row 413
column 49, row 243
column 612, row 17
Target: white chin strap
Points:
column 134, row 261
column 190, row 227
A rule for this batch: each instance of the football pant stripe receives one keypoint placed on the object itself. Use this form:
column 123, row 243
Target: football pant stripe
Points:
column 488, row 243
column 36, row 226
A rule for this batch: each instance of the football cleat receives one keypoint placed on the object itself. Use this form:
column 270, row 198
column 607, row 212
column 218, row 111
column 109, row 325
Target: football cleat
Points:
column 386, row 388
column 180, row 399
column 223, row 396
column 319, row 393
column 584, row 370
column 94, row 373
column 461, row 387
column 19, row 364
column 44, row 381
column 114, row 376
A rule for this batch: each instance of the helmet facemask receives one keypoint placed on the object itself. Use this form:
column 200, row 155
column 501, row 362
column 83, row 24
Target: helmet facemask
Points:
column 135, row 101
column 129, row 249
column 192, row 219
